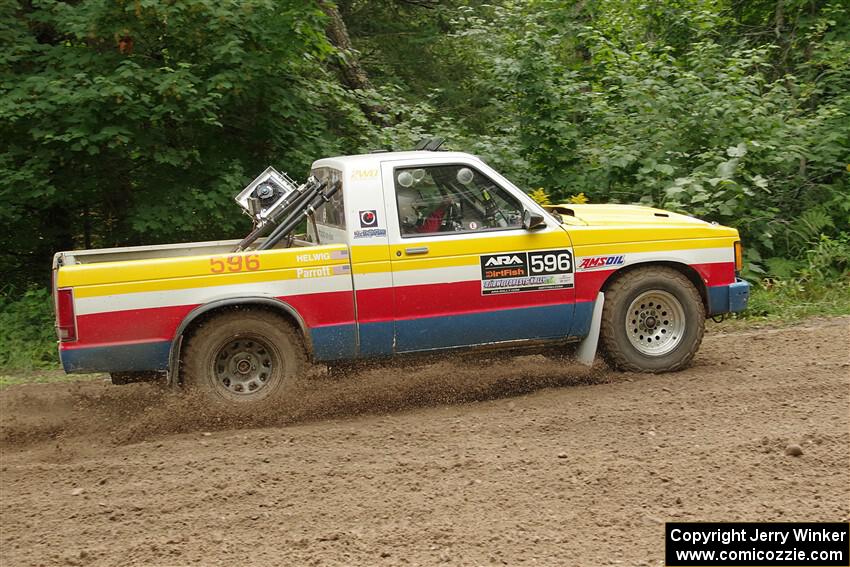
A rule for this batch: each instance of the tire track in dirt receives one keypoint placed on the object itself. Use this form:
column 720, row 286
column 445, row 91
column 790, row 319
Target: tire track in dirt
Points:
column 508, row 462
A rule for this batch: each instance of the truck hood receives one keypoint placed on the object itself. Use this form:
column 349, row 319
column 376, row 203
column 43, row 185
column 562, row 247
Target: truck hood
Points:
column 620, row 215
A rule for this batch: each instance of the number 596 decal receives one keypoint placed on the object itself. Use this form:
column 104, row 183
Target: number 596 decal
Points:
column 235, row 263
column 550, row 262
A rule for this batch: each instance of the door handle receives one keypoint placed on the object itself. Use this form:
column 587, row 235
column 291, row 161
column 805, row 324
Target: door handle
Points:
column 415, row 251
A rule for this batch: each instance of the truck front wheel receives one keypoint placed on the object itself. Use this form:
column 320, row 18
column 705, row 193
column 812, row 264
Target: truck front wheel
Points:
column 247, row 358
column 653, row 321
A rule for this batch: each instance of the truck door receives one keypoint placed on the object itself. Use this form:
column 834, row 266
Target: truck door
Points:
column 464, row 270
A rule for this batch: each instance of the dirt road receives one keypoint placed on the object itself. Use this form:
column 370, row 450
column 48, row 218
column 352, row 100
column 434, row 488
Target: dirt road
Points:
column 522, row 462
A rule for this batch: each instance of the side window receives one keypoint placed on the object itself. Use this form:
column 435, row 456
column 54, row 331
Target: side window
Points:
column 452, row 198
column 331, row 213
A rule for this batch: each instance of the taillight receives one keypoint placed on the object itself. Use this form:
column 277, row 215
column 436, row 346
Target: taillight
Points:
column 66, row 322
column 739, row 256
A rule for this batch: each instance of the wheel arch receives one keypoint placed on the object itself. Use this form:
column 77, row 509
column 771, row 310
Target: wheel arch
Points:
column 208, row 310
column 680, row 267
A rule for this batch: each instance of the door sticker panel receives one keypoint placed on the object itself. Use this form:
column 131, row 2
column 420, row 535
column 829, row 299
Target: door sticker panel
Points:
column 513, row 272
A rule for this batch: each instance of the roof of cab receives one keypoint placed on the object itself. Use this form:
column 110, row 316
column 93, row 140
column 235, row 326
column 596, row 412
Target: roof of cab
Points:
column 388, row 156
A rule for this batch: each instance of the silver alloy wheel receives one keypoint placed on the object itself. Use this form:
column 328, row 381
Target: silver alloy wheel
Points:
column 244, row 365
column 655, row 322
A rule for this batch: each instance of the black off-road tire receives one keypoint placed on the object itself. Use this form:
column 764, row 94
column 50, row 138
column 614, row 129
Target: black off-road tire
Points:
column 628, row 348
column 264, row 346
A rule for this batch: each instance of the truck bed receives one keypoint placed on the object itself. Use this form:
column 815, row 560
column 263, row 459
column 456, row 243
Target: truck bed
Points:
column 128, row 253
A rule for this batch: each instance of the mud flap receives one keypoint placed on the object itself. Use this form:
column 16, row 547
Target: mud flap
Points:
column 586, row 351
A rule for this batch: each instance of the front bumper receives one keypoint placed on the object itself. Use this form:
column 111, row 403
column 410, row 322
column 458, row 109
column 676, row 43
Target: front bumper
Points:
column 730, row 298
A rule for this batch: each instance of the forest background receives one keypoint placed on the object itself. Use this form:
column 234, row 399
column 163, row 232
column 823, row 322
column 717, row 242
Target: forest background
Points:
column 135, row 122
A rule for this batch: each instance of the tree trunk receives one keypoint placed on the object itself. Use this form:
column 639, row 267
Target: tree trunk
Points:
column 352, row 73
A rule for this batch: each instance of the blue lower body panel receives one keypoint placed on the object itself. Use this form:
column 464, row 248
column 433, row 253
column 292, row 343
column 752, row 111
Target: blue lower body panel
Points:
column 136, row 357
column 582, row 319
column 334, row 342
column 376, row 339
column 340, row 342
column 428, row 333
column 385, row 338
column 730, row 298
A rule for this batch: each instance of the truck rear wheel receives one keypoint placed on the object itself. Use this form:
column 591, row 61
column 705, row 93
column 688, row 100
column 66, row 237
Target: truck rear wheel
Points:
column 244, row 359
column 653, row 321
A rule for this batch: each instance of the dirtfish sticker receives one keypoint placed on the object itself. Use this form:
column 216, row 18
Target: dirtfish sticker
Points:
column 601, row 262
column 526, row 271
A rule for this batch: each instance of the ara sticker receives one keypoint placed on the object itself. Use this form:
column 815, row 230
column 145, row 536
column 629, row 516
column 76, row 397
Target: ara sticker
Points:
column 526, row 271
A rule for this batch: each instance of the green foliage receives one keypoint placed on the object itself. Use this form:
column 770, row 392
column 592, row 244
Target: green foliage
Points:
column 828, row 261
column 27, row 338
column 135, row 122
column 661, row 105
column 792, row 300
column 816, row 284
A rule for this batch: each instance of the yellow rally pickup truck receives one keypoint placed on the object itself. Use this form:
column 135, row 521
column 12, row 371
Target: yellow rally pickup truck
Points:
column 404, row 252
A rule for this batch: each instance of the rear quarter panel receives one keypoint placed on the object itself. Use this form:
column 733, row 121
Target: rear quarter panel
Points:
column 128, row 312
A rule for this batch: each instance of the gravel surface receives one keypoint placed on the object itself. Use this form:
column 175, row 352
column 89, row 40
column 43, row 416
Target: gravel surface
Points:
column 523, row 461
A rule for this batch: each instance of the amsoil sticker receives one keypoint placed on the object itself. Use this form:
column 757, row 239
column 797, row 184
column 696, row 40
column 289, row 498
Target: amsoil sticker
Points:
column 526, row 271
column 600, row 262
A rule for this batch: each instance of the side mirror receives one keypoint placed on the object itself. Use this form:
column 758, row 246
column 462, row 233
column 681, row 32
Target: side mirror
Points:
column 531, row 221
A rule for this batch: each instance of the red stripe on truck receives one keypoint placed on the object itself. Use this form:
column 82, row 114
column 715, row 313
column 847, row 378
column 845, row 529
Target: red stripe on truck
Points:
column 160, row 323
column 589, row 283
column 415, row 301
